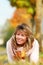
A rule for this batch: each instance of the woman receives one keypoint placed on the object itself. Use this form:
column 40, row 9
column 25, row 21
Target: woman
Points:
column 22, row 45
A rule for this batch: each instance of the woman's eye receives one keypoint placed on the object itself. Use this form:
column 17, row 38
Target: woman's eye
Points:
column 22, row 35
column 18, row 34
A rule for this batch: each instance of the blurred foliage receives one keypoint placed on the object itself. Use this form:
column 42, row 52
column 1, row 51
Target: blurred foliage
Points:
column 25, row 10
column 22, row 15
column 6, row 32
column 30, row 10
column 30, row 4
column 22, row 3
column 8, row 35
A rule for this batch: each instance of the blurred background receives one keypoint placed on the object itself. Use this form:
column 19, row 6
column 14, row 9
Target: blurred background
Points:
column 15, row 12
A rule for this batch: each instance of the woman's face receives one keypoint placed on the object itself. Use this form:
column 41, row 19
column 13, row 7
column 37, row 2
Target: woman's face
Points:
column 21, row 37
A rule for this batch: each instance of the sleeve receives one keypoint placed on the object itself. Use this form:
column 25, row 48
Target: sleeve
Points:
column 35, row 52
column 9, row 51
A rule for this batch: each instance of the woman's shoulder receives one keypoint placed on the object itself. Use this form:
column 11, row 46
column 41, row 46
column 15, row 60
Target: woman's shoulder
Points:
column 8, row 42
column 36, row 43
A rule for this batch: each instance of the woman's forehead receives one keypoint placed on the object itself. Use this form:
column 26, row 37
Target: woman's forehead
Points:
column 21, row 31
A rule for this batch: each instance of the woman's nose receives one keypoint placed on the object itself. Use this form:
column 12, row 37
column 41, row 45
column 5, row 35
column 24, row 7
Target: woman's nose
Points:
column 19, row 36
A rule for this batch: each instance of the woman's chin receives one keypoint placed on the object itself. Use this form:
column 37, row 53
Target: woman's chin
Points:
column 20, row 44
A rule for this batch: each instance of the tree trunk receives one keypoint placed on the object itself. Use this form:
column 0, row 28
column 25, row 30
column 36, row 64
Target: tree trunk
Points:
column 38, row 20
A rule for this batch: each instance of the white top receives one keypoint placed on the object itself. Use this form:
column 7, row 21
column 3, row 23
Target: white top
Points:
column 9, row 51
column 34, row 52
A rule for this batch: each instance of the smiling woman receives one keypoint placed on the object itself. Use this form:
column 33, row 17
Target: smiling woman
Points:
column 23, row 45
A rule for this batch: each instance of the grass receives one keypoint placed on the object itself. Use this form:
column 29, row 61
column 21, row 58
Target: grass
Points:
column 4, row 59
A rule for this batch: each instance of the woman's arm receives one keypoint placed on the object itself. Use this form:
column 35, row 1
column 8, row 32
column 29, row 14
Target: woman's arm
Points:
column 35, row 52
column 9, row 51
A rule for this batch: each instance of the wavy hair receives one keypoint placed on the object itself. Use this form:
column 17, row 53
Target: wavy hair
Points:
column 29, row 33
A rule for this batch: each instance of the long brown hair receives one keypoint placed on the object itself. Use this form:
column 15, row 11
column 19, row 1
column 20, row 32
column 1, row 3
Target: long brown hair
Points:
column 29, row 33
